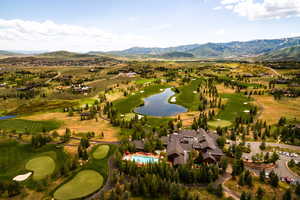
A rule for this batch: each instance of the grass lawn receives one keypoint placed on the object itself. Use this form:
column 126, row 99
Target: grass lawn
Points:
column 145, row 80
column 14, row 156
column 101, row 152
column 234, row 107
column 84, row 183
column 21, row 125
column 187, row 97
column 42, row 106
column 42, row 167
column 88, row 180
column 128, row 104
column 219, row 123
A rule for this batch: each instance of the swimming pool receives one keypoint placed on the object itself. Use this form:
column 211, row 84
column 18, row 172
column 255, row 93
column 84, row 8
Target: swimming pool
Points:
column 142, row 159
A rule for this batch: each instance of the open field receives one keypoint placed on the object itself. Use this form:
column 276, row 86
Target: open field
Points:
column 273, row 109
column 101, row 152
column 29, row 126
column 42, row 167
column 74, row 124
column 84, row 183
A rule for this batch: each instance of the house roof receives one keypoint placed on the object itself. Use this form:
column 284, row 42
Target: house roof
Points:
column 139, row 144
column 174, row 147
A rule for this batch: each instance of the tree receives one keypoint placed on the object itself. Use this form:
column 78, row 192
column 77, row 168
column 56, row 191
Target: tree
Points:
column 297, row 189
column 274, row 157
column 287, row 195
column 262, row 175
column 221, row 142
column 274, row 179
column 260, row 193
column 245, row 196
column 262, row 146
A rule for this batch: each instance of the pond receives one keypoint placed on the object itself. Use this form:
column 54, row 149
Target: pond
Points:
column 158, row 105
column 7, row 117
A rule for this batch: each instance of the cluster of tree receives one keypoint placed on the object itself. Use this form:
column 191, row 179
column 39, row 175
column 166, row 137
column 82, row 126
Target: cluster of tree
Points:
column 266, row 158
column 9, row 188
column 246, row 179
column 201, row 122
column 82, row 148
column 39, row 140
column 204, row 173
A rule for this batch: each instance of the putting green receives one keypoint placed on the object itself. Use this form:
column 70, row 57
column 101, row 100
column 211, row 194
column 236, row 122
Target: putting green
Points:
column 219, row 123
column 41, row 166
column 101, row 152
column 83, row 184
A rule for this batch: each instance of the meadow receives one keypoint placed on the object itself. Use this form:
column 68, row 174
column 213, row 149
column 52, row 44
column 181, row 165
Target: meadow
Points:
column 29, row 126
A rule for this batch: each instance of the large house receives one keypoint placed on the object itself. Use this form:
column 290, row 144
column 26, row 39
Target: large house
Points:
column 179, row 145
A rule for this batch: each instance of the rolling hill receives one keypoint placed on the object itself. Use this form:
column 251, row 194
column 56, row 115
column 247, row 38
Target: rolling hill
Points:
column 234, row 49
column 65, row 54
column 285, row 54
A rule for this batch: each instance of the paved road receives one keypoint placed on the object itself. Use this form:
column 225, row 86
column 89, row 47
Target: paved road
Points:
column 281, row 168
column 58, row 75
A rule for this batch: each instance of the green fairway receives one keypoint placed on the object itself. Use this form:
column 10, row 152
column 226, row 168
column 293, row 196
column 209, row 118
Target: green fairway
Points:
column 187, row 97
column 101, row 152
column 234, row 107
column 41, row 166
column 29, row 126
column 13, row 157
column 219, row 123
column 83, row 184
column 127, row 105
column 145, row 80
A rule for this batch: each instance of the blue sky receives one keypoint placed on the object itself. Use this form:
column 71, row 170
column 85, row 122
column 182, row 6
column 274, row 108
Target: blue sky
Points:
column 83, row 25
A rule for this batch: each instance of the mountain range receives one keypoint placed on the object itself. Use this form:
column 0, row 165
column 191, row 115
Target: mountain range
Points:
column 254, row 48
column 285, row 49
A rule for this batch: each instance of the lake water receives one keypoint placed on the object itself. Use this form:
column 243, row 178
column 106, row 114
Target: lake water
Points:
column 158, row 105
column 7, row 117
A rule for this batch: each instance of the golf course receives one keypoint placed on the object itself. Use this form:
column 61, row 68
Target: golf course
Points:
column 42, row 167
column 83, row 184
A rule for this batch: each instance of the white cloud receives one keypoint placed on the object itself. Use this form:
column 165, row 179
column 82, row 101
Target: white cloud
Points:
column 220, row 32
column 225, row 2
column 218, row 8
column 47, row 35
column 264, row 9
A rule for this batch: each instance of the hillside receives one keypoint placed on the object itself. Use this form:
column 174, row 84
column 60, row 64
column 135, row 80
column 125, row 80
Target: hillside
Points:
column 217, row 50
column 65, row 54
column 285, row 54
column 7, row 53
column 176, row 54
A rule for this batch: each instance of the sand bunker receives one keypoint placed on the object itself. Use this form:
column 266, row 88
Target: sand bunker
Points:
column 173, row 100
column 22, row 177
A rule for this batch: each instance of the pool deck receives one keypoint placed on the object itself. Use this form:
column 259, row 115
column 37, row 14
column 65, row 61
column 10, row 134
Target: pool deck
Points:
column 129, row 156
